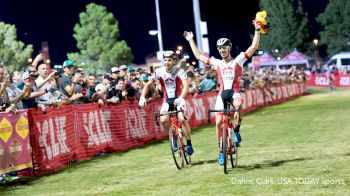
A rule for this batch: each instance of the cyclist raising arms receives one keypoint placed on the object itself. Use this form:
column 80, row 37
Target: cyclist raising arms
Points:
column 229, row 72
column 171, row 78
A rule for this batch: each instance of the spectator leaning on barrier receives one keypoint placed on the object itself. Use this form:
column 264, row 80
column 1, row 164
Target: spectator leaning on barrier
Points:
column 9, row 94
column 207, row 84
column 113, row 78
column 123, row 71
column 80, row 88
column 131, row 73
column 15, row 78
column 152, row 92
column 134, row 90
column 68, row 82
column 114, row 93
column 45, row 82
column 91, row 81
column 101, row 92
column 31, row 68
column 30, row 101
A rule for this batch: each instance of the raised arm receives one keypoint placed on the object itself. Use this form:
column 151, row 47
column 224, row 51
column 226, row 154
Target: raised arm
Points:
column 255, row 43
column 197, row 53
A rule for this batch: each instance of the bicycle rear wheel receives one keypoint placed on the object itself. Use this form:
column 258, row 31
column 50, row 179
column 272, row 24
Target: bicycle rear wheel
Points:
column 224, row 146
column 176, row 147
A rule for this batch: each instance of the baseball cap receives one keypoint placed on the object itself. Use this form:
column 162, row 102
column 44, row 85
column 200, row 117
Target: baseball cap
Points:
column 68, row 63
column 99, row 87
column 131, row 68
column 25, row 75
column 123, row 67
column 190, row 74
column 144, row 78
column 114, row 69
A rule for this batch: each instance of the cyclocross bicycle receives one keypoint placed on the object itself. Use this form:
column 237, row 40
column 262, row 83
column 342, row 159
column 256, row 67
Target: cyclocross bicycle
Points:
column 177, row 146
column 227, row 144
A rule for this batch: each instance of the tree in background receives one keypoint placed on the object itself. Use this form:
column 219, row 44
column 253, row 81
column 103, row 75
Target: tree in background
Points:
column 97, row 40
column 288, row 27
column 13, row 53
column 336, row 23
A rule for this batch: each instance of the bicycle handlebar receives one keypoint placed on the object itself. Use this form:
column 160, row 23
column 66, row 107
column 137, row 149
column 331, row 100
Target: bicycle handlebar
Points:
column 156, row 116
column 223, row 111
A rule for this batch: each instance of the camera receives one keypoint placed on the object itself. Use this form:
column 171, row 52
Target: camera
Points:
column 33, row 74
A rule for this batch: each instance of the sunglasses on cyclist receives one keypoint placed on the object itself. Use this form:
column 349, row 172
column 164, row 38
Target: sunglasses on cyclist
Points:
column 222, row 47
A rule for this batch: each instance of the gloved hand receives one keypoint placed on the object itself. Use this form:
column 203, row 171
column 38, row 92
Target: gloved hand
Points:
column 261, row 23
column 142, row 102
column 178, row 101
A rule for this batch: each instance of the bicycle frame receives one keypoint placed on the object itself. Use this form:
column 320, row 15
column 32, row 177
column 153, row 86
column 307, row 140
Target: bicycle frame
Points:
column 175, row 138
column 225, row 122
column 225, row 138
column 175, row 123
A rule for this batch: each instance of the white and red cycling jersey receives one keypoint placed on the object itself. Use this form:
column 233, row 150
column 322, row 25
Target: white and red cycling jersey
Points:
column 171, row 85
column 229, row 75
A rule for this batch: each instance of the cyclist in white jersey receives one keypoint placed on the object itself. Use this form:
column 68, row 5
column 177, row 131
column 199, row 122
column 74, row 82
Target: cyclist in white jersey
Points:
column 175, row 87
column 229, row 72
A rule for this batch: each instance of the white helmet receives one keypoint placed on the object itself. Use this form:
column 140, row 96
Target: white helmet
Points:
column 223, row 42
column 169, row 54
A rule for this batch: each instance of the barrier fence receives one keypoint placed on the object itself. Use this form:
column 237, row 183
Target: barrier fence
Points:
column 78, row 132
column 322, row 80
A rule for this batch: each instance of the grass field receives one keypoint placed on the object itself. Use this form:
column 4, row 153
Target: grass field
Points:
column 299, row 147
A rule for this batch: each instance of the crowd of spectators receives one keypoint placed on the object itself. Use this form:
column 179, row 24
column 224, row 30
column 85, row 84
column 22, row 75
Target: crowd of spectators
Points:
column 40, row 87
column 206, row 80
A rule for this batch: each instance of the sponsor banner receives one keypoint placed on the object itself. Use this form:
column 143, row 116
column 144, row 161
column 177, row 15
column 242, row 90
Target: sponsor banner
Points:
column 15, row 152
column 322, row 80
column 78, row 132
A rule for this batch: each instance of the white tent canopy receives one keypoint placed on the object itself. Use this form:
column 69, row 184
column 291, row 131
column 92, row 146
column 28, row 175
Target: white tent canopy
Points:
column 293, row 58
column 263, row 61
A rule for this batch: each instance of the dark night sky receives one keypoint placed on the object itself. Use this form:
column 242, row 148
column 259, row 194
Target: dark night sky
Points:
column 53, row 21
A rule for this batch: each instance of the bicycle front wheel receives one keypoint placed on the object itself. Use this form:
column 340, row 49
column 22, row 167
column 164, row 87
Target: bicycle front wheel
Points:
column 176, row 147
column 224, row 146
column 234, row 149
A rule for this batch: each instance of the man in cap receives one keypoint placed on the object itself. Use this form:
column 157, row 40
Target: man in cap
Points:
column 68, row 82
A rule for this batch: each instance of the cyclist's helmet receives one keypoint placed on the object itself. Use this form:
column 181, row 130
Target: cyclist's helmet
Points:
column 223, row 42
column 169, row 54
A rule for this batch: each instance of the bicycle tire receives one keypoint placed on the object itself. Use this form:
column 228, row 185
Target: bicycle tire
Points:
column 234, row 156
column 180, row 138
column 177, row 154
column 224, row 146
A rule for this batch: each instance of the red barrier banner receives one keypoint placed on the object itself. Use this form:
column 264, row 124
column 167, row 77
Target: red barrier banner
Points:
column 322, row 80
column 15, row 152
column 53, row 138
column 78, row 132
column 343, row 80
